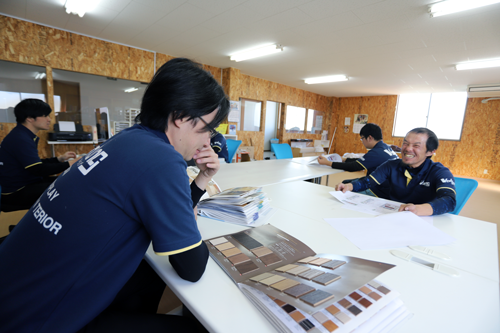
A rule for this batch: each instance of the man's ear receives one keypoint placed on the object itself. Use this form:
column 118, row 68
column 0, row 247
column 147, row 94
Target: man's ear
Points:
column 179, row 122
column 430, row 153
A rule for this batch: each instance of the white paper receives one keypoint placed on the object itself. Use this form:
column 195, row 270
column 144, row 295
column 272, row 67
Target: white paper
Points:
column 365, row 203
column 67, row 126
column 347, row 121
column 390, row 231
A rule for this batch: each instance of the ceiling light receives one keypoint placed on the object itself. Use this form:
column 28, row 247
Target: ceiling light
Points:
column 258, row 52
column 80, row 7
column 326, row 79
column 478, row 64
column 453, row 6
column 129, row 90
column 40, row 76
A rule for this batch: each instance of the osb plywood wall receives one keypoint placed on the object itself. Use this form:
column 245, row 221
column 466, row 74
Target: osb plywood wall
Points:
column 239, row 85
column 478, row 149
column 33, row 44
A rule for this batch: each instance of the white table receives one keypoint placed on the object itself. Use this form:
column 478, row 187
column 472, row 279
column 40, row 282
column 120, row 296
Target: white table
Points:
column 469, row 303
column 267, row 172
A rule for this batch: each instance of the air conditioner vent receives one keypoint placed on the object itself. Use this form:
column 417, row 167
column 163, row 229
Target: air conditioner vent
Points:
column 484, row 90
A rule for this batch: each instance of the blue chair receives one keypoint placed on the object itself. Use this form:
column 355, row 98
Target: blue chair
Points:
column 464, row 187
column 232, row 147
column 282, row 150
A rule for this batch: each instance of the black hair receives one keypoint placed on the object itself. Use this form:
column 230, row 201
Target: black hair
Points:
column 432, row 140
column 180, row 89
column 371, row 129
column 31, row 108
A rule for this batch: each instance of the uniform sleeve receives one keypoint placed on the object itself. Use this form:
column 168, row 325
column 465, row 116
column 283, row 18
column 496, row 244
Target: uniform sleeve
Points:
column 190, row 265
column 445, row 200
column 47, row 169
column 350, row 166
column 25, row 152
column 161, row 197
column 377, row 177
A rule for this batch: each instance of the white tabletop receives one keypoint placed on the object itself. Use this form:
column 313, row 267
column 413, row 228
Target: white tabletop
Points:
column 440, row 303
column 267, row 172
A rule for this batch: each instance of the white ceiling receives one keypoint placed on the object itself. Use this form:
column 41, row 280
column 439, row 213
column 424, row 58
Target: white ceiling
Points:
column 386, row 47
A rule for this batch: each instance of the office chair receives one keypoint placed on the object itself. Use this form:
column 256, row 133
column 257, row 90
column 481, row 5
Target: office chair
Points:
column 232, row 147
column 464, row 187
column 282, row 150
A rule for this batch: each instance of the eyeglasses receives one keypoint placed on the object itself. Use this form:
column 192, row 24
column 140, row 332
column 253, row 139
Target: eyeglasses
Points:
column 361, row 139
column 213, row 132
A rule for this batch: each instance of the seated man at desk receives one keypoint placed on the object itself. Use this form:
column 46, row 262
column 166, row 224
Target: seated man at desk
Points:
column 379, row 152
column 74, row 263
column 423, row 186
column 23, row 175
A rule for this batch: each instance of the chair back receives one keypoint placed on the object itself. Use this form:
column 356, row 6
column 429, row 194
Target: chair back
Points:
column 232, row 147
column 282, row 150
column 464, row 187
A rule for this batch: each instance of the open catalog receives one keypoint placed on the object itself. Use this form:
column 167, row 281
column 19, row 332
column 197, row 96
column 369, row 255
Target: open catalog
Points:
column 298, row 290
column 239, row 205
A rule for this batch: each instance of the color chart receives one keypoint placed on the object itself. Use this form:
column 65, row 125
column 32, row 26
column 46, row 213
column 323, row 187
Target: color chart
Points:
column 282, row 267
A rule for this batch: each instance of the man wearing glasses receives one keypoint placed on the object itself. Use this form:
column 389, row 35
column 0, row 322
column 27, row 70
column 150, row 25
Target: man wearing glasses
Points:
column 218, row 144
column 79, row 250
column 379, row 152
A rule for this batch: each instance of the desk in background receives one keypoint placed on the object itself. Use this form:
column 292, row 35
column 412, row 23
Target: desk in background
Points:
column 261, row 173
column 53, row 143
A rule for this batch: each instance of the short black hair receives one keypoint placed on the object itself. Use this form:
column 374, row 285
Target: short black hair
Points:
column 180, row 89
column 371, row 129
column 432, row 139
column 31, row 108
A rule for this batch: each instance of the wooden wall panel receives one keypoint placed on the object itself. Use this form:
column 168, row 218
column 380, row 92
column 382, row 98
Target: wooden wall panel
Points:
column 244, row 86
column 478, row 149
column 140, row 65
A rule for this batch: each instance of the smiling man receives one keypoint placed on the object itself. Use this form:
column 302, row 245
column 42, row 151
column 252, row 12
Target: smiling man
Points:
column 79, row 251
column 23, row 175
column 425, row 187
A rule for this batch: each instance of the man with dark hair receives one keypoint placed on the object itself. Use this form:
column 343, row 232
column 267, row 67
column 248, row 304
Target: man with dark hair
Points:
column 23, row 175
column 75, row 261
column 379, row 152
column 425, row 187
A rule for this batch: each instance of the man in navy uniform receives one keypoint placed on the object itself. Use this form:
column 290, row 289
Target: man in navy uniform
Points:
column 379, row 152
column 23, row 175
column 425, row 187
column 74, row 263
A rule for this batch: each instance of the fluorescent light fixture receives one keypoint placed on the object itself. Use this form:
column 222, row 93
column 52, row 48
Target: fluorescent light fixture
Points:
column 257, row 52
column 326, row 79
column 40, row 76
column 80, row 7
column 478, row 64
column 129, row 90
column 453, row 6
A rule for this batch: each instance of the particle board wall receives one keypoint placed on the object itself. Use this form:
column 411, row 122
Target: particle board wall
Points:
column 239, row 85
column 478, row 149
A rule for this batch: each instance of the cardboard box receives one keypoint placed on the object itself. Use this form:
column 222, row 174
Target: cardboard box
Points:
column 245, row 154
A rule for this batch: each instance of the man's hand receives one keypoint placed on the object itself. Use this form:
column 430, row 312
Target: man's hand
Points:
column 343, row 187
column 420, row 210
column 324, row 161
column 208, row 163
column 67, row 155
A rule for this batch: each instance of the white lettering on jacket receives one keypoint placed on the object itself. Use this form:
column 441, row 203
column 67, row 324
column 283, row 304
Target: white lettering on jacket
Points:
column 390, row 152
column 91, row 161
column 427, row 184
column 445, row 180
column 46, row 221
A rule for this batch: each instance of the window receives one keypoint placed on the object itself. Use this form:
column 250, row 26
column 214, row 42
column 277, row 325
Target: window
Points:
column 314, row 121
column 250, row 115
column 295, row 119
column 443, row 113
column 18, row 82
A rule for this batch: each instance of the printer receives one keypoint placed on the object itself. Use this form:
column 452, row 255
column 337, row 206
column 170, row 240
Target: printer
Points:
column 71, row 133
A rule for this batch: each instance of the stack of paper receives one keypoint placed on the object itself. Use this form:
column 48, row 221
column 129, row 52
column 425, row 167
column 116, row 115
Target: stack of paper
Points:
column 240, row 205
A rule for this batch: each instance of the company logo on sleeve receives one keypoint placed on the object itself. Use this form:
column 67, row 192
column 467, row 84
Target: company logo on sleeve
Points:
column 426, row 184
column 446, row 180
